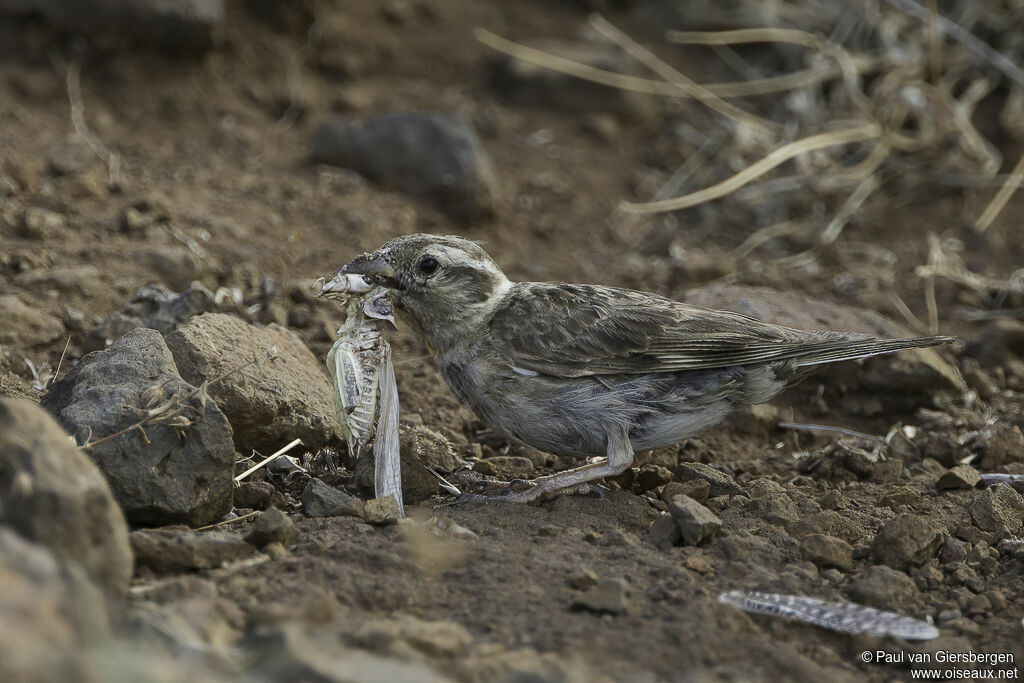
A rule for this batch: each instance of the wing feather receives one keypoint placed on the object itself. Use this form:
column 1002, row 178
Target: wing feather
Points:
column 577, row 330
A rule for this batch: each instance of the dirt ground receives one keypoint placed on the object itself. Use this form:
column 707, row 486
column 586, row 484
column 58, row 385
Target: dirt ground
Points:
column 217, row 148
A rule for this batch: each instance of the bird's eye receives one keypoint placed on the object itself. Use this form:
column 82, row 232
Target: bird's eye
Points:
column 428, row 265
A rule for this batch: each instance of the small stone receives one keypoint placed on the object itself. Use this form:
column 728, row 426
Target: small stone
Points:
column 699, row 565
column 907, row 540
column 664, row 532
column 696, row 522
column 166, row 551
column 652, row 476
column 322, row 500
column 776, row 508
column 884, row 588
column 282, row 393
column 71, row 155
column 133, row 220
column 698, row 489
column 834, row 500
column 433, row 156
column 827, row 551
column 960, row 477
column 272, row 526
column 38, row 223
column 952, row 550
column 485, row 468
column 763, row 487
column 901, row 495
column 275, row 550
column 254, row 495
column 382, row 511
column 608, row 596
column 998, row 508
column 720, row 483
column 582, row 578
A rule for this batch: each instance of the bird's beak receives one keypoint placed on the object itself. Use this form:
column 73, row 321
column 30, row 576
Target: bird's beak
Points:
column 374, row 266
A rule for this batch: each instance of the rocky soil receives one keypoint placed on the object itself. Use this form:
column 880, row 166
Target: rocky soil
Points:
column 168, row 196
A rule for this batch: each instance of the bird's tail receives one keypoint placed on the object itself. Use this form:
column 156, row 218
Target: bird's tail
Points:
column 863, row 346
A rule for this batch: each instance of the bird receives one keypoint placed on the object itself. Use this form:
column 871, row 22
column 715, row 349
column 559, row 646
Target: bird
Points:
column 590, row 371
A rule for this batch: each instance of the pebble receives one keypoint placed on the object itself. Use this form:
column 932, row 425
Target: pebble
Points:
column 907, row 540
column 272, row 526
column 607, row 596
column 827, row 551
column 582, row 578
column 696, row 523
column 959, row 477
column 319, row 499
column 382, row 511
column 719, row 482
column 698, row 489
column 998, row 508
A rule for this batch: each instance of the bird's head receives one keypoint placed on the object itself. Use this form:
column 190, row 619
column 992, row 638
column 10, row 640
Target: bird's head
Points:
column 443, row 285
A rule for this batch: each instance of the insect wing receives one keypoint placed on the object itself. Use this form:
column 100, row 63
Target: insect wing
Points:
column 386, row 456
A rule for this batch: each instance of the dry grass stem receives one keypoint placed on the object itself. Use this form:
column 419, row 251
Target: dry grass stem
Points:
column 240, row 518
column 756, row 170
column 268, row 459
column 111, row 159
column 998, row 202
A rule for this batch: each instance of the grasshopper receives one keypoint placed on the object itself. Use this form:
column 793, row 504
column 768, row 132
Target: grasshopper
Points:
column 365, row 393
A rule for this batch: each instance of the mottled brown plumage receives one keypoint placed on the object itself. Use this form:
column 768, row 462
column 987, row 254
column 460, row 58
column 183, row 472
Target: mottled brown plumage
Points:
column 585, row 370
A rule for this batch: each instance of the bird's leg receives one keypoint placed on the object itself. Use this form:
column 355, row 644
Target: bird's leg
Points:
column 619, row 459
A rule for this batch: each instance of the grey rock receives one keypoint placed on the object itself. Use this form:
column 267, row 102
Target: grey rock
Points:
column 254, row 494
column 651, row 476
column 153, row 306
column 998, row 508
column 696, row 523
column 432, row 156
column 698, row 489
column 176, row 266
column 907, row 541
column 884, row 588
column 608, row 596
column 959, row 477
column 582, row 578
column 172, row 475
column 776, row 508
column 171, row 25
column 382, row 511
column 719, row 483
column 829, row 522
column 272, row 526
column 321, row 500
column 165, row 550
column 275, row 398
column 51, row 493
column 827, row 551
column 24, row 326
column 70, row 155
column 664, row 532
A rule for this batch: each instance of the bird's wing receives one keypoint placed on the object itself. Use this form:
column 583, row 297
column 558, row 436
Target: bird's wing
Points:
column 575, row 330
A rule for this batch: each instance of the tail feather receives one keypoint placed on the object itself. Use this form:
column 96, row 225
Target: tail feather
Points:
column 865, row 348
